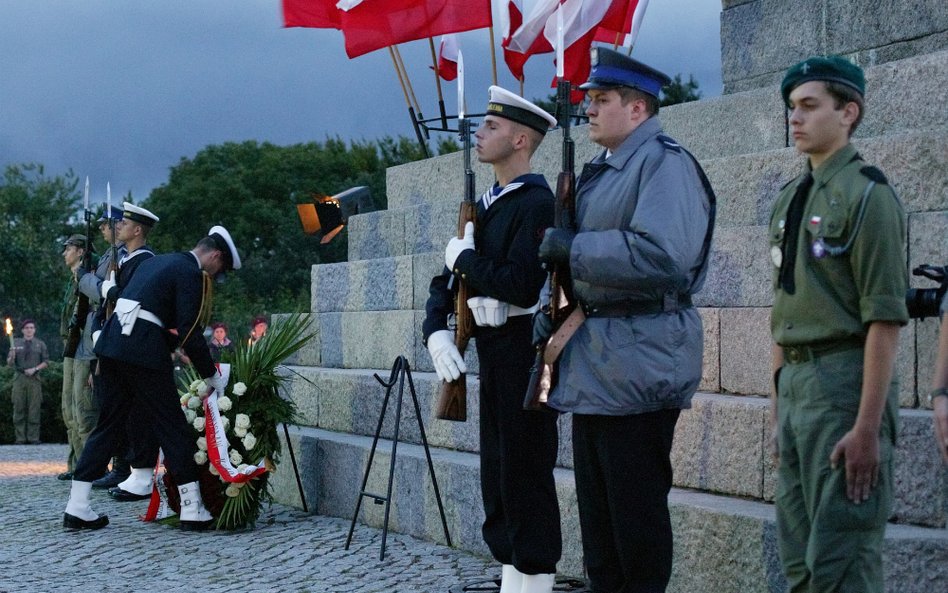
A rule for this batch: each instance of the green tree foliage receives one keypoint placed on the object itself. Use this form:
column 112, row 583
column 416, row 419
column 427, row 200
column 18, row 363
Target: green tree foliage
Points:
column 252, row 189
column 678, row 91
column 35, row 215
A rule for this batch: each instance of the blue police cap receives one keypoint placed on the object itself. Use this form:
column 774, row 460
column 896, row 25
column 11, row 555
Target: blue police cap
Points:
column 611, row 69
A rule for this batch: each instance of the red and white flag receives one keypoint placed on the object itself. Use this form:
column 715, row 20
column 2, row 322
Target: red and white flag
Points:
column 629, row 30
column 581, row 19
column 511, row 22
column 448, row 57
column 317, row 14
column 369, row 25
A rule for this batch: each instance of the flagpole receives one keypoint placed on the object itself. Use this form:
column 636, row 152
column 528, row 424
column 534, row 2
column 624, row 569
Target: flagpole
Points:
column 411, row 110
column 411, row 89
column 437, row 73
column 493, row 56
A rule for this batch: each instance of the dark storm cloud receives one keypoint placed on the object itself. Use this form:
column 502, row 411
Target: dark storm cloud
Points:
column 121, row 90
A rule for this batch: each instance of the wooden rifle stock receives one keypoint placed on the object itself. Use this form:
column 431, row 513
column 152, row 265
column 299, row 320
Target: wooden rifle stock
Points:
column 543, row 375
column 452, row 400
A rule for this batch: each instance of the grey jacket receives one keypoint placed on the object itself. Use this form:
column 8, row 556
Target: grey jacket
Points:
column 642, row 220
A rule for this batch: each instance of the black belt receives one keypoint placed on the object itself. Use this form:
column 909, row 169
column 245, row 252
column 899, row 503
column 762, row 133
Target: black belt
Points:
column 669, row 304
column 801, row 354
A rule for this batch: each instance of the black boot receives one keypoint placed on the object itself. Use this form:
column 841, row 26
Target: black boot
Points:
column 120, row 471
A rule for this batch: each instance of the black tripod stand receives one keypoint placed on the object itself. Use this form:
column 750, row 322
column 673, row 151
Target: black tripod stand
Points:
column 400, row 371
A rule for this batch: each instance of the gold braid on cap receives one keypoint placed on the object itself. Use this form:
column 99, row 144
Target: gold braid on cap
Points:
column 207, row 302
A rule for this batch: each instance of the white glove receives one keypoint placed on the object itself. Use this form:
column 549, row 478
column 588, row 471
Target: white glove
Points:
column 95, row 336
column 107, row 285
column 448, row 362
column 488, row 312
column 215, row 383
column 456, row 246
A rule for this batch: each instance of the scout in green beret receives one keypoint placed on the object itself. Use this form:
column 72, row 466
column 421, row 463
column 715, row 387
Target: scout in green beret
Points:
column 837, row 243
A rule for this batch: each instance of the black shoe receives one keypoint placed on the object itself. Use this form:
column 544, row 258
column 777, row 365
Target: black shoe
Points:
column 126, row 496
column 65, row 476
column 196, row 525
column 74, row 523
column 111, row 479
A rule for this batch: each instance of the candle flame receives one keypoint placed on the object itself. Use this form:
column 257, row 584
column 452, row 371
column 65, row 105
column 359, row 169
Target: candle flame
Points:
column 9, row 327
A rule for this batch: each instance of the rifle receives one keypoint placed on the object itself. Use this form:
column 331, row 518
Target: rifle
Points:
column 81, row 311
column 559, row 285
column 452, row 400
column 113, row 247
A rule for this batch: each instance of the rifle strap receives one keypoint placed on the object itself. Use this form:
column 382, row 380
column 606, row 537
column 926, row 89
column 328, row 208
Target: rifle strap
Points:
column 554, row 347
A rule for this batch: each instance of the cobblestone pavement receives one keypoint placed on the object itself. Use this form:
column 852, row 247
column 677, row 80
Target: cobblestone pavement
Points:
column 289, row 551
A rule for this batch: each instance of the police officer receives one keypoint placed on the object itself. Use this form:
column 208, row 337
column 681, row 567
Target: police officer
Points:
column 837, row 241
column 498, row 260
column 644, row 214
column 167, row 292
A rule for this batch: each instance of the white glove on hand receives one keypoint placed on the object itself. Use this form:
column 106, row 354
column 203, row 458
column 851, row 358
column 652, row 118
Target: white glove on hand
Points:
column 107, row 285
column 448, row 362
column 95, row 336
column 456, row 246
column 215, row 382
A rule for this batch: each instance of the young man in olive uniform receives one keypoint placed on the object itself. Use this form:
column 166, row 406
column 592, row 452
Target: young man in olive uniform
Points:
column 28, row 357
column 499, row 262
column 837, row 237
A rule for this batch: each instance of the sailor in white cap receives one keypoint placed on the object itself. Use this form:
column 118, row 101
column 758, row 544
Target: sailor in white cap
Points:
column 168, row 292
column 518, row 448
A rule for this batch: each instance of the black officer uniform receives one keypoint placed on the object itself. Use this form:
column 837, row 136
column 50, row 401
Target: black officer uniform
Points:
column 136, row 370
column 518, row 448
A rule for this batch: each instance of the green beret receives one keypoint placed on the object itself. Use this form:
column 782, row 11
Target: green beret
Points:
column 830, row 69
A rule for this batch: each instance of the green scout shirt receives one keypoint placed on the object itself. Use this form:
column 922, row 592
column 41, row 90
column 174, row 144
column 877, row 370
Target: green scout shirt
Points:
column 29, row 353
column 838, row 296
column 68, row 311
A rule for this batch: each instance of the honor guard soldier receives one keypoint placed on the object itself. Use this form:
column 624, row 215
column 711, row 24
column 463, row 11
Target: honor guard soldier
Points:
column 167, row 292
column 79, row 408
column 837, row 241
column 644, row 214
column 498, row 260
column 137, row 454
column 28, row 356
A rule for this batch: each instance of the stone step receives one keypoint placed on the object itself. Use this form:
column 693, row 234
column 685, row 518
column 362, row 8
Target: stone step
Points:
column 916, row 163
column 900, row 97
column 720, row 444
column 722, row 544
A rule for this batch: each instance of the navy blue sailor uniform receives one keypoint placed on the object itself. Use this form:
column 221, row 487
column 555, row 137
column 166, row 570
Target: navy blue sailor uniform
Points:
column 518, row 448
column 136, row 369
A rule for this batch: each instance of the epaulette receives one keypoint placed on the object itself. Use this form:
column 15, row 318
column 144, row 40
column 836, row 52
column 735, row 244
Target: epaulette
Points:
column 874, row 174
column 669, row 143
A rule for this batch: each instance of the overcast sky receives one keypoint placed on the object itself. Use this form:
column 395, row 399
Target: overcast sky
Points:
column 120, row 90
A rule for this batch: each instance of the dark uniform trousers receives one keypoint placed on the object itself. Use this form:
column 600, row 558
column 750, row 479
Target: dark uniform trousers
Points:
column 143, row 450
column 518, row 453
column 126, row 388
column 623, row 476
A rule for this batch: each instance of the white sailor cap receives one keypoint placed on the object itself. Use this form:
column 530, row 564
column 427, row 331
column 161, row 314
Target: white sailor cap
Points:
column 139, row 214
column 505, row 104
column 226, row 245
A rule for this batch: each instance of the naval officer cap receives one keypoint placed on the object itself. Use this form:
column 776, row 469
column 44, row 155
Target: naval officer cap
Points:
column 829, row 69
column 611, row 69
column 503, row 103
column 139, row 215
column 225, row 244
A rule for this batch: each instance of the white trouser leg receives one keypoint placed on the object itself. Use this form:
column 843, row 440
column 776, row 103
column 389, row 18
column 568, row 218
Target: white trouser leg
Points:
column 192, row 506
column 511, row 579
column 538, row 583
column 139, row 481
column 78, row 505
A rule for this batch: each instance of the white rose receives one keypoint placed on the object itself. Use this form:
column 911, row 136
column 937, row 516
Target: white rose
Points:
column 202, row 444
column 242, row 467
column 184, row 398
column 194, row 402
column 200, row 458
column 201, row 387
column 213, row 470
column 239, row 388
column 224, row 403
column 194, row 385
column 242, row 421
column 249, row 441
column 225, row 422
column 198, row 423
column 232, row 490
column 190, row 415
column 235, row 457
column 240, row 432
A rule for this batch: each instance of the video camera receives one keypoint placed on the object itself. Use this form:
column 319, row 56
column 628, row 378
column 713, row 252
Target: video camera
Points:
column 925, row 302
